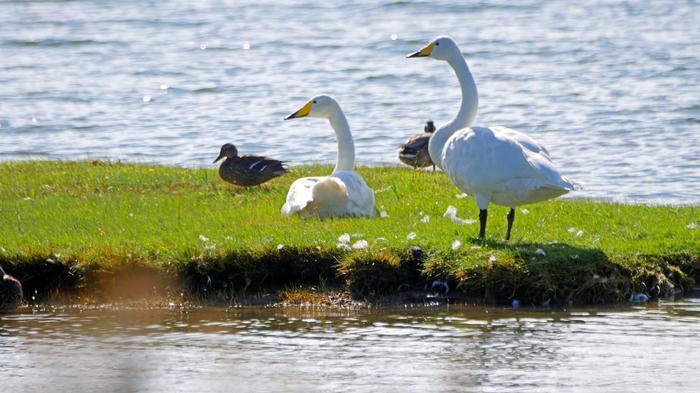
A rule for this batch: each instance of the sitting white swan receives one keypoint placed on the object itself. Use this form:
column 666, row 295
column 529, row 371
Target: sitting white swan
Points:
column 493, row 164
column 344, row 192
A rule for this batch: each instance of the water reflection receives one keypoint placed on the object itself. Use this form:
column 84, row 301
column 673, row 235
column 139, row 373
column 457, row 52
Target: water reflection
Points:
column 443, row 349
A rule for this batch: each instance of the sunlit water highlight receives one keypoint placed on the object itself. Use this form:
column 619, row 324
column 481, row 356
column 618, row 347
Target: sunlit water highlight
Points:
column 610, row 87
column 632, row 349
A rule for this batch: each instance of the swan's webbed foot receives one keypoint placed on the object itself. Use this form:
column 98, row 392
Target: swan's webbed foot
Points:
column 483, row 213
column 510, row 217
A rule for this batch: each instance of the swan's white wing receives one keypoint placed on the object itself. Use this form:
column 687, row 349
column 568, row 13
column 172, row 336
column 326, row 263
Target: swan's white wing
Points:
column 360, row 196
column 340, row 194
column 523, row 139
column 494, row 163
column 299, row 195
column 544, row 166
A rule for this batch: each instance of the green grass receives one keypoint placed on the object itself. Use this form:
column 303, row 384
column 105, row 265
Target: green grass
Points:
column 96, row 216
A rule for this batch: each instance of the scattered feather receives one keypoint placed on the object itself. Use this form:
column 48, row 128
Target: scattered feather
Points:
column 492, row 258
column 280, row 246
column 344, row 238
column 693, row 225
column 451, row 213
column 381, row 239
column 411, row 236
column 360, row 245
column 540, row 251
column 343, row 246
column 228, row 238
column 571, row 230
column 425, row 219
column 456, row 245
column 383, row 214
column 525, row 212
column 579, row 233
column 461, row 196
column 203, row 238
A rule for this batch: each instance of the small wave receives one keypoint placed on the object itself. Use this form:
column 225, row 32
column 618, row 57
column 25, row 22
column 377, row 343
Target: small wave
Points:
column 397, row 3
column 56, row 42
column 207, row 90
column 200, row 90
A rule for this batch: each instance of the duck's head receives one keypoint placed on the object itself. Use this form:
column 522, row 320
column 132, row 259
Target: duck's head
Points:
column 228, row 150
column 429, row 126
column 441, row 48
column 321, row 106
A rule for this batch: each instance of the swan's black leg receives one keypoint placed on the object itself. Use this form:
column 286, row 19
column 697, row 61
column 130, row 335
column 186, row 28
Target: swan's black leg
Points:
column 511, row 218
column 482, row 223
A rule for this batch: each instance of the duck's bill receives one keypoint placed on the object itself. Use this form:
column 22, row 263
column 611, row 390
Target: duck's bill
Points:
column 303, row 112
column 425, row 52
column 218, row 158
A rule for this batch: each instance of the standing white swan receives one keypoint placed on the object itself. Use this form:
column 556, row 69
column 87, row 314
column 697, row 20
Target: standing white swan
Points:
column 493, row 164
column 344, row 192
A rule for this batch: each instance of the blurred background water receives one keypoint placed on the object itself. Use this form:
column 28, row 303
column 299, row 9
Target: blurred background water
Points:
column 611, row 87
column 644, row 348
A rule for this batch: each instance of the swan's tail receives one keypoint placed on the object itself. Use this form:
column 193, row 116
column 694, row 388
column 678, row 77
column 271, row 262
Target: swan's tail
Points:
column 572, row 185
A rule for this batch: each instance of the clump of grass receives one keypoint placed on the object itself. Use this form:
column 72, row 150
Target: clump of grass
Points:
column 237, row 272
column 70, row 226
column 377, row 273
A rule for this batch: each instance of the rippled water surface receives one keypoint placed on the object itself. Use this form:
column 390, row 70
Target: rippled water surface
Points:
column 633, row 349
column 611, row 87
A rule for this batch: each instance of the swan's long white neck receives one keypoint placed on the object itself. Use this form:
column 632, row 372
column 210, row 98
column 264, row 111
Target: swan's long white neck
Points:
column 467, row 110
column 346, row 147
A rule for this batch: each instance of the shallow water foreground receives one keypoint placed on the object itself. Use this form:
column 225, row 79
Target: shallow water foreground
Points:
column 457, row 348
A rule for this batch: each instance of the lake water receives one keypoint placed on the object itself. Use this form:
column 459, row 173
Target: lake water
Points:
column 650, row 348
column 611, row 87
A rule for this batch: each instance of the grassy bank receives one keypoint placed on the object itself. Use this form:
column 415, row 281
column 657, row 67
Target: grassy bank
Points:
column 80, row 227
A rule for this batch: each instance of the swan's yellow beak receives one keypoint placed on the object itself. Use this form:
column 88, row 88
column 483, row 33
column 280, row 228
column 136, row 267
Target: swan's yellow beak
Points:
column 423, row 52
column 303, row 112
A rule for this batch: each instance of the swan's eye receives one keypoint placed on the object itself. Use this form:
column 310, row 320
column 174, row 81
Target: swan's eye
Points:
column 437, row 44
column 315, row 101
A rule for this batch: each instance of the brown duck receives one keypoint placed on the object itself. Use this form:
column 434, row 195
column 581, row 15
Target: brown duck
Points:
column 247, row 170
column 414, row 151
column 10, row 292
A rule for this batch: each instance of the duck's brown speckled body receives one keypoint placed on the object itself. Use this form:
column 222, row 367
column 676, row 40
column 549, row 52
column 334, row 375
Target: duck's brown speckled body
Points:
column 414, row 151
column 10, row 292
column 247, row 170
